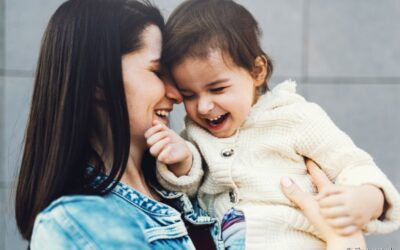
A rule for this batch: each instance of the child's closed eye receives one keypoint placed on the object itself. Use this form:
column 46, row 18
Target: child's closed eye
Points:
column 217, row 90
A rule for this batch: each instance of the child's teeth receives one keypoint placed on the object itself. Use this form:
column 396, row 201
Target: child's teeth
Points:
column 214, row 119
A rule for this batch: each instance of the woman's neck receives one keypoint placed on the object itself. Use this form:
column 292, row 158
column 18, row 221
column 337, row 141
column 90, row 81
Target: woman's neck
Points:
column 133, row 175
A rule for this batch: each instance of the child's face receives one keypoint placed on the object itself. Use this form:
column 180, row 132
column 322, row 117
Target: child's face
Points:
column 217, row 94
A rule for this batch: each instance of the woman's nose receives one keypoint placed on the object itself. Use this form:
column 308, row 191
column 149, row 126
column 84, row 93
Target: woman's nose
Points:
column 172, row 93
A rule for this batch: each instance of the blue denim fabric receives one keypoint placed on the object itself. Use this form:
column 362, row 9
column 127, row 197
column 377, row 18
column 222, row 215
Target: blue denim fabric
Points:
column 192, row 213
column 122, row 219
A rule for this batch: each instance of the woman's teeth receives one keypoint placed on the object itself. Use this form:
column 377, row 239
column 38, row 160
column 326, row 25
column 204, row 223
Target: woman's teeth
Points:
column 162, row 113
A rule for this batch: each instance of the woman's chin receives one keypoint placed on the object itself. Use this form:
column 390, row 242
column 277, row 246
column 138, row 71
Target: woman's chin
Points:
column 164, row 120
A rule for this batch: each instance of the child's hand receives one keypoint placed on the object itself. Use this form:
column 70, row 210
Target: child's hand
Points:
column 349, row 208
column 310, row 207
column 169, row 148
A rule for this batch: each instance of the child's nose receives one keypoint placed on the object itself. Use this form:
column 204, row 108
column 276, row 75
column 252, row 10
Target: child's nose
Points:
column 205, row 105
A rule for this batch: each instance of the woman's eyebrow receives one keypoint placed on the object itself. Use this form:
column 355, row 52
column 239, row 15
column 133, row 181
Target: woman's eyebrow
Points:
column 155, row 63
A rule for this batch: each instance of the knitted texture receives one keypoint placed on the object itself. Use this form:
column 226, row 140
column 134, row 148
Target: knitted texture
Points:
column 282, row 128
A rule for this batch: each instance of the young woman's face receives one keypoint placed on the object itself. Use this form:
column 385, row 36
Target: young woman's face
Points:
column 145, row 93
column 217, row 94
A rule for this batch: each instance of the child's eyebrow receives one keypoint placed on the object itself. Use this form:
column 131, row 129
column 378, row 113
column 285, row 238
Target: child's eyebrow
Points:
column 216, row 82
column 207, row 85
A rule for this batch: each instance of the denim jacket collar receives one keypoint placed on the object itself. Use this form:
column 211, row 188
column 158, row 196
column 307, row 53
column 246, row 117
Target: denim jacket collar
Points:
column 140, row 200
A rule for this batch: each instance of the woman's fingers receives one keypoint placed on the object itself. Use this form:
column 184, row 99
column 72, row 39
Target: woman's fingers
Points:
column 341, row 222
column 347, row 231
column 318, row 177
column 303, row 200
column 307, row 204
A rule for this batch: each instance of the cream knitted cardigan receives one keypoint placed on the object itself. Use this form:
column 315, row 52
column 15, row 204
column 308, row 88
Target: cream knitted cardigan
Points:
column 244, row 171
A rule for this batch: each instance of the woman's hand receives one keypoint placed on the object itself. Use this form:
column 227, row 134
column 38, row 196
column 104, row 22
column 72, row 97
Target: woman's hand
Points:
column 310, row 207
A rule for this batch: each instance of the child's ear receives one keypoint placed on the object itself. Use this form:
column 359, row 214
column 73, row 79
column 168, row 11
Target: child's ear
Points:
column 260, row 70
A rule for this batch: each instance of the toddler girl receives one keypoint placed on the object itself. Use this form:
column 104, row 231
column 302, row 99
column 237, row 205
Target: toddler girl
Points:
column 242, row 138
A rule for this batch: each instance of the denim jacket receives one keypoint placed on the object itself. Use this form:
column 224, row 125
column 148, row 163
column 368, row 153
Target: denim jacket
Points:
column 121, row 219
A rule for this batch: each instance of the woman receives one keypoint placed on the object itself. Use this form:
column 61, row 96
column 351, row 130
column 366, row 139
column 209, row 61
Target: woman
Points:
column 86, row 179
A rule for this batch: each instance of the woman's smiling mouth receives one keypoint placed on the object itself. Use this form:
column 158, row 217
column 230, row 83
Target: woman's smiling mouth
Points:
column 163, row 115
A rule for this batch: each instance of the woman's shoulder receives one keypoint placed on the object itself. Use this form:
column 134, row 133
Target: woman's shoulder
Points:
column 79, row 208
column 83, row 221
column 74, row 201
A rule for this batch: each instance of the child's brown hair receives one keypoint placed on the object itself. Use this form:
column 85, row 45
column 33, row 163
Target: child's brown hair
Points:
column 198, row 26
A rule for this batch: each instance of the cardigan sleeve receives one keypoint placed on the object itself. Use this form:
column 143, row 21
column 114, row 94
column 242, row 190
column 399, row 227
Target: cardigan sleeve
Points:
column 189, row 183
column 321, row 140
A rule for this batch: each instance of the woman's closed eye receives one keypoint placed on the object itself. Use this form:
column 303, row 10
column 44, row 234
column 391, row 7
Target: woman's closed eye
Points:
column 158, row 73
column 187, row 96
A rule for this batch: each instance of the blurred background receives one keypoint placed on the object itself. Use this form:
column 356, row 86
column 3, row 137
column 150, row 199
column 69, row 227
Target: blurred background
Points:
column 344, row 54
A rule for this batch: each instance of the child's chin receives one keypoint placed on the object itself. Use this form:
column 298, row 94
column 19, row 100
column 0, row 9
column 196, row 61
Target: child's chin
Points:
column 222, row 134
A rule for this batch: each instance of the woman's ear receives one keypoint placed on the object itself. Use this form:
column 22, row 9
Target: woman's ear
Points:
column 99, row 95
column 260, row 70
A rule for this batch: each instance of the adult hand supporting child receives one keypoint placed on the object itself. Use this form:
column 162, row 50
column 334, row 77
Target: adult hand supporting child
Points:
column 310, row 207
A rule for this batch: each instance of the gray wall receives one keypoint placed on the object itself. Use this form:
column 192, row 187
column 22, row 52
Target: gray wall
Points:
column 345, row 55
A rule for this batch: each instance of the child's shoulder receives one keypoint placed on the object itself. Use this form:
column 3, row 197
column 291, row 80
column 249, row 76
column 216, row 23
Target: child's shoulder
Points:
column 284, row 98
column 282, row 95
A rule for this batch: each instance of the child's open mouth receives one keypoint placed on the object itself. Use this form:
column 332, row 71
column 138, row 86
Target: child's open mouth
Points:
column 217, row 121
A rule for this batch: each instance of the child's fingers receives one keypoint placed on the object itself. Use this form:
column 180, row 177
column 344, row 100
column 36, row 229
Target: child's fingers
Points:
column 331, row 201
column 347, row 231
column 341, row 222
column 156, row 149
column 157, row 137
column 156, row 128
column 327, row 191
column 164, row 156
column 156, row 122
column 333, row 212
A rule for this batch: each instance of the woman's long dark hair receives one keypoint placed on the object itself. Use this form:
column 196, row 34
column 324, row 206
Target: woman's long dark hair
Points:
column 80, row 53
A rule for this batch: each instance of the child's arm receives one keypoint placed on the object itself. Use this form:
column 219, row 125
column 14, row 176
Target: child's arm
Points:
column 320, row 140
column 178, row 161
